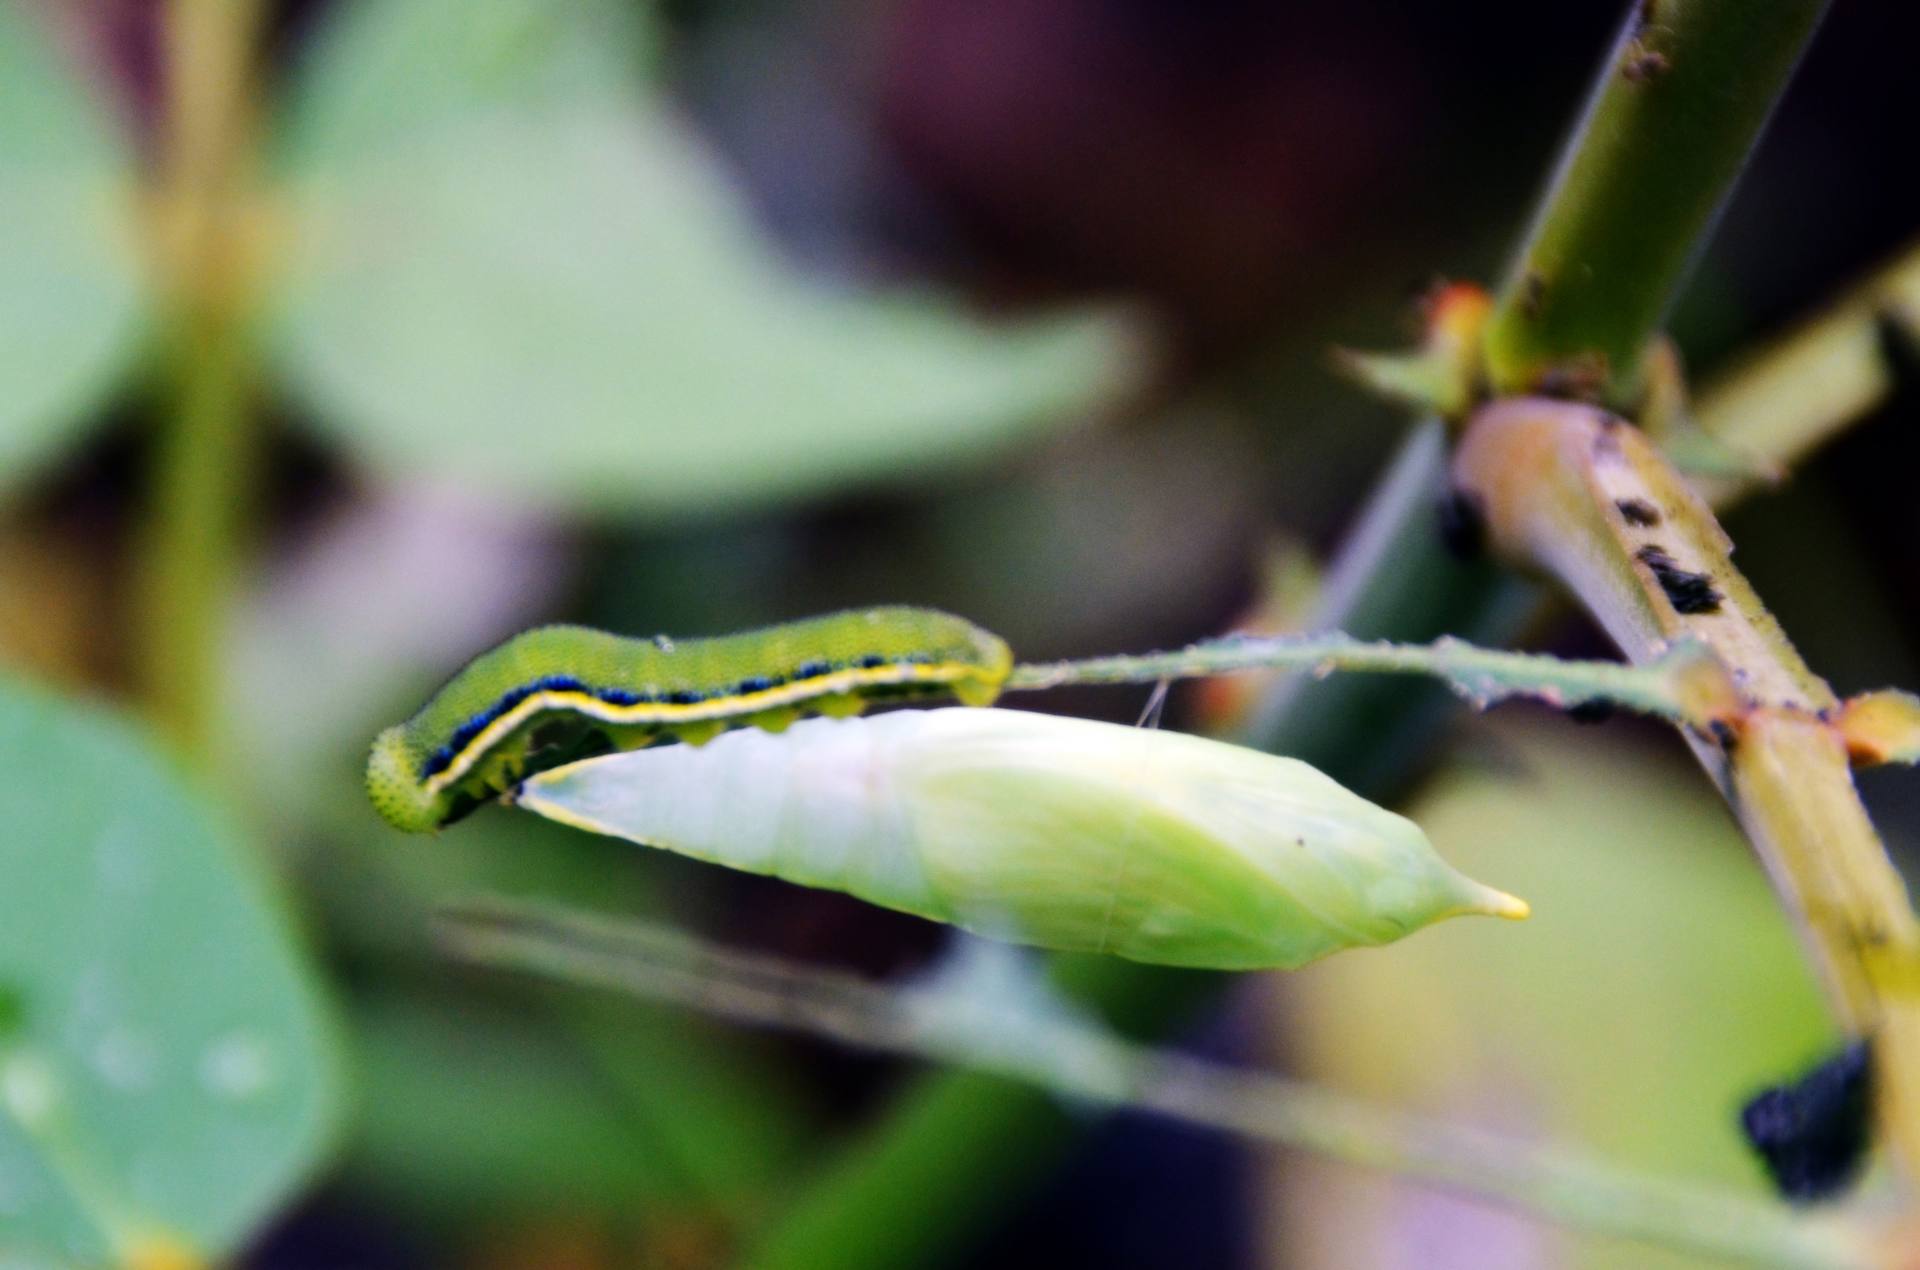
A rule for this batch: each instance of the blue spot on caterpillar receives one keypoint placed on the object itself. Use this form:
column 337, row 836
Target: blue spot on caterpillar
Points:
column 556, row 694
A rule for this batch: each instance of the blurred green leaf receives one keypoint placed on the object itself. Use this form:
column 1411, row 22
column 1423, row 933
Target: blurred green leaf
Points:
column 484, row 1100
column 69, row 276
column 511, row 264
column 170, row 1076
column 474, row 1107
column 12, row 1259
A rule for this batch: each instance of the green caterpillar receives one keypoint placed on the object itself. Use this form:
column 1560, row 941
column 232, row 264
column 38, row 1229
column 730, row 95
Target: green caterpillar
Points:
column 556, row 694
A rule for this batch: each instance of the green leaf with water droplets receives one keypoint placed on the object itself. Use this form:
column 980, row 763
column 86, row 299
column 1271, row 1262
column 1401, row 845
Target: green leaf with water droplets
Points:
column 169, row 1075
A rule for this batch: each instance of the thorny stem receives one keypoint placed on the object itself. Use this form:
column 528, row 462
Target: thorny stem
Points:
column 1668, row 126
column 1685, row 685
column 965, row 1139
column 203, row 459
column 1575, row 492
column 1038, row 1040
column 963, row 1134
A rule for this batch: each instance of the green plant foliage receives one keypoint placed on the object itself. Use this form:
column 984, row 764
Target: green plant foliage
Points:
column 69, row 276
column 473, row 1109
column 476, row 1104
column 512, row 265
column 478, row 1110
column 167, row 1076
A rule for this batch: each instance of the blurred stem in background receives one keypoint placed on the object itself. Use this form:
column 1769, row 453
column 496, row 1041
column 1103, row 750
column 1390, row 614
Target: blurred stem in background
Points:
column 1801, row 388
column 962, row 1147
column 205, row 453
column 1035, row 1042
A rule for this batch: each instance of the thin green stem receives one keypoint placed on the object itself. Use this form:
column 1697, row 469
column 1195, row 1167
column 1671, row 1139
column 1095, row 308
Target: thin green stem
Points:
column 1683, row 685
column 204, row 457
column 1394, row 578
column 1677, row 108
column 201, row 473
column 1033, row 1039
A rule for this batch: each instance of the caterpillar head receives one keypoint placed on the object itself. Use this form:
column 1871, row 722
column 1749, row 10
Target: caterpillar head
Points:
column 394, row 785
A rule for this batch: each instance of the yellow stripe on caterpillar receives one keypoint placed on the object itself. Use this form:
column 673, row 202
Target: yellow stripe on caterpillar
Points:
column 846, row 683
column 555, row 694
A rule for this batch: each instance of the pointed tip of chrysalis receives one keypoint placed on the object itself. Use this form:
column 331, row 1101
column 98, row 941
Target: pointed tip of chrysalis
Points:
column 1511, row 907
column 1471, row 897
column 1487, row 901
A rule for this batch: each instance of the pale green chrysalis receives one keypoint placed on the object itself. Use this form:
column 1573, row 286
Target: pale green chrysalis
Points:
column 1062, row 833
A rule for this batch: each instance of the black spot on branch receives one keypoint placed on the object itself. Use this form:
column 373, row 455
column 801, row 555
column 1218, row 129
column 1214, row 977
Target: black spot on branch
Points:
column 1577, row 379
column 1590, row 712
column 1690, row 593
column 1533, row 295
column 1463, row 523
column 1642, row 61
column 1812, row 1133
column 1644, row 65
column 1893, row 331
column 1638, row 511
